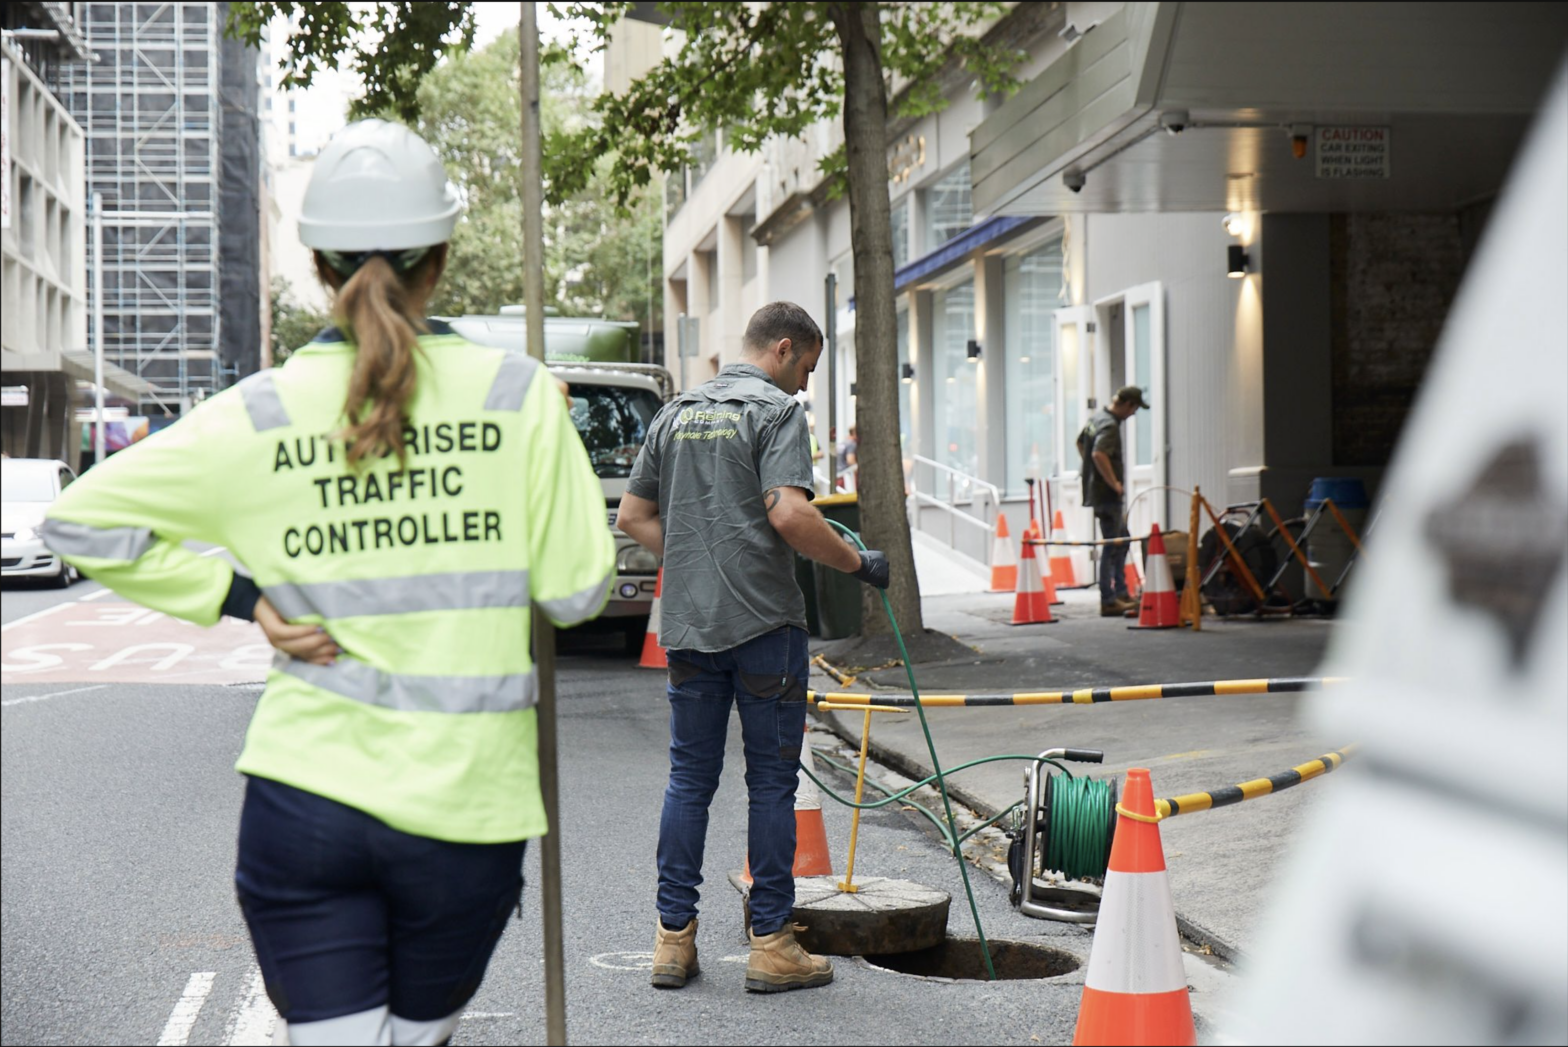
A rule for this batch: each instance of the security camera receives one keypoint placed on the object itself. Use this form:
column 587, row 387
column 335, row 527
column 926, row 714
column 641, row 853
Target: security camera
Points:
column 1074, row 179
column 1175, row 121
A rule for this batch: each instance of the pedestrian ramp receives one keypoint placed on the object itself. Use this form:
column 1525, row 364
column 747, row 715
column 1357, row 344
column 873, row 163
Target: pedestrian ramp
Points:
column 945, row 572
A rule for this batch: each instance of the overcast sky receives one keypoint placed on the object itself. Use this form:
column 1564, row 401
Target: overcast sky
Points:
column 320, row 111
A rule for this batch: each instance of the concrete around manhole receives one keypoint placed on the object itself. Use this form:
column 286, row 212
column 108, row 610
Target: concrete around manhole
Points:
column 960, row 959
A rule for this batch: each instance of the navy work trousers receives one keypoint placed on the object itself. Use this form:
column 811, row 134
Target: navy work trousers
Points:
column 766, row 678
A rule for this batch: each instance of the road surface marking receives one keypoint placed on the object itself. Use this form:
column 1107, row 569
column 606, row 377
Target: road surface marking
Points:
column 94, row 596
column 252, row 1021
column 8, row 626
column 178, row 1031
column 56, row 694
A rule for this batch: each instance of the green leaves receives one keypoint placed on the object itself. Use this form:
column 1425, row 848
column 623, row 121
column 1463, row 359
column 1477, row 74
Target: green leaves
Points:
column 393, row 45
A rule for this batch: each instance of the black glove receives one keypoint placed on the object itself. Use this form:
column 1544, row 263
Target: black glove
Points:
column 873, row 568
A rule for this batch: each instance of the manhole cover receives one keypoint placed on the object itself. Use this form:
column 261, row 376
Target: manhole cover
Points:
column 960, row 959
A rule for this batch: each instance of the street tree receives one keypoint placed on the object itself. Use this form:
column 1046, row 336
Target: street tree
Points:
column 757, row 71
column 600, row 259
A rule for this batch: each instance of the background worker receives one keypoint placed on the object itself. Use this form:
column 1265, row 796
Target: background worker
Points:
column 848, row 455
column 1103, row 471
column 399, row 495
column 722, row 490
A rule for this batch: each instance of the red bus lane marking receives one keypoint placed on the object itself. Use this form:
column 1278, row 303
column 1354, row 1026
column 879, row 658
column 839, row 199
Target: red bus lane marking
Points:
column 126, row 643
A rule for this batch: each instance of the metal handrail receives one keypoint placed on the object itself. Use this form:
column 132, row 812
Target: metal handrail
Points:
column 970, row 478
column 951, row 505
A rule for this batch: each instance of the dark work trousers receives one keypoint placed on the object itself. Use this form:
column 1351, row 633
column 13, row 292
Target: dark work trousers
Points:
column 349, row 915
column 1113, row 579
column 766, row 677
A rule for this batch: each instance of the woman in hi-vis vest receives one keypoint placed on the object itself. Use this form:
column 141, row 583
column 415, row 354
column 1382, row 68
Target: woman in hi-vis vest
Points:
column 397, row 496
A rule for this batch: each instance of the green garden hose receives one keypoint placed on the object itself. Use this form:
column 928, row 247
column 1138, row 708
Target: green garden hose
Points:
column 947, row 806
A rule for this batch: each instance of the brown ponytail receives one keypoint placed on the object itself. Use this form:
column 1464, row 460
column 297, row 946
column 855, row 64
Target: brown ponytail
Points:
column 377, row 310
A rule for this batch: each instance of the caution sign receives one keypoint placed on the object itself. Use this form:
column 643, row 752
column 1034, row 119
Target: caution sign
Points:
column 1353, row 152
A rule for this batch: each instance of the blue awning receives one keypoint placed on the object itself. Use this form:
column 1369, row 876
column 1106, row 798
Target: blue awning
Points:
column 958, row 248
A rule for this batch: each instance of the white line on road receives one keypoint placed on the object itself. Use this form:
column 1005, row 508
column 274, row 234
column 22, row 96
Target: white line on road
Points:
column 94, row 596
column 178, row 1031
column 8, row 626
column 251, row 1022
column 56, row 694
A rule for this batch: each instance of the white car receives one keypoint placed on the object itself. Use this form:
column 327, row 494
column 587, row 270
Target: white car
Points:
column 28, row 486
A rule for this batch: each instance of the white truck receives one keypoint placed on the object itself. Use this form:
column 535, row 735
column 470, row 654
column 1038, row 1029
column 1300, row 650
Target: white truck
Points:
column 614, row 398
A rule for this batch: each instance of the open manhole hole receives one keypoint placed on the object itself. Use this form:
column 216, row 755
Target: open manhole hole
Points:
column 960, row 959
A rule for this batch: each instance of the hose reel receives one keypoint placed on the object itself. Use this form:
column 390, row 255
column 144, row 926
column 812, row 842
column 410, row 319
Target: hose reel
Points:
column 1065, row 825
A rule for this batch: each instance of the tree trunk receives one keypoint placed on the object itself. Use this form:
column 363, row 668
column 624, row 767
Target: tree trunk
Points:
column 884, row 520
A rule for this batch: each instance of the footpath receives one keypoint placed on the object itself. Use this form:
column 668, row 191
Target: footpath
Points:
column 1223, row 863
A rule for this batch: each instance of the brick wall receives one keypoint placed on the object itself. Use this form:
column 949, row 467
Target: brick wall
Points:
column 1393, row 278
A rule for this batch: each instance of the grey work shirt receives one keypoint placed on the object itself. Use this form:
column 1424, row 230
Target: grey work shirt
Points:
column 1108, row 441
column 711, row 453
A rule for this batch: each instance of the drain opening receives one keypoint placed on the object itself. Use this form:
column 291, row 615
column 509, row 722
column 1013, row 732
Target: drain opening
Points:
column 960, row 959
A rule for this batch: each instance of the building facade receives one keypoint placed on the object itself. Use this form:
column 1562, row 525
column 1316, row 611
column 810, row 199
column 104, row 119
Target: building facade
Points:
column 171, row 115
column 43, row 321
column 1257, row 213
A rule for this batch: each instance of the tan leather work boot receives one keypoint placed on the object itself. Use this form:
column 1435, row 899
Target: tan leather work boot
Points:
column 674, row 956
column 778, row 964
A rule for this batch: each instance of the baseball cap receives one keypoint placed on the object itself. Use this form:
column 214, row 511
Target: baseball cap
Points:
column 1131, row 394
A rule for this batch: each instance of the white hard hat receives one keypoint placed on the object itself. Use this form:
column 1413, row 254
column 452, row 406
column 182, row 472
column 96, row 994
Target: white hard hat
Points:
column 377, row 186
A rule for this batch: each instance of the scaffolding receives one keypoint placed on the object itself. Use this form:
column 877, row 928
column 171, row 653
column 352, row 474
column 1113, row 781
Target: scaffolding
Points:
column 150, row 108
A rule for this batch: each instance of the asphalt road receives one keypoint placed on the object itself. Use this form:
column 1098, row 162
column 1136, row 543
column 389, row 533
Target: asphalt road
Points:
column 120, row 925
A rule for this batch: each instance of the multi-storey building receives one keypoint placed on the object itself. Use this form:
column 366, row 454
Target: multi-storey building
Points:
column 45, row 361
column 170, row 112
column 1259, row 213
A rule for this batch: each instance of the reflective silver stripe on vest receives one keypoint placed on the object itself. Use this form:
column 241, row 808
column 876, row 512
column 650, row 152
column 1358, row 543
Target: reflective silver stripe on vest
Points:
column 417, row 694
column 101, row 543
column 511, row 382
column 261, row 400
column 569, row 610
column 454, row 591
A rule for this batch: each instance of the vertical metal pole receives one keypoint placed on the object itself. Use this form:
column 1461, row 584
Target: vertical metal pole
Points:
column 98, row 325
column 832, row 351
column 543, row 632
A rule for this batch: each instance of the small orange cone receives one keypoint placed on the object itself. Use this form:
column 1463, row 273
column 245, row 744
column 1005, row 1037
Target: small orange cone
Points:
column 811, row 836
column 1004, row 565
column 1061, row 555
column 1135, row 990
column 1032, row 606
column 1130, row 572
column 1160, row 609
column 653, row 656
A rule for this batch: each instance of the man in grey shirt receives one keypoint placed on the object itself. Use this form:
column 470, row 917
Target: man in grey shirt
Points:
column 722, row 490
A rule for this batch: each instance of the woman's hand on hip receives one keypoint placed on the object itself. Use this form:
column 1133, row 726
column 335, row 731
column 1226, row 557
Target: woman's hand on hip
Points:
column 308, row 643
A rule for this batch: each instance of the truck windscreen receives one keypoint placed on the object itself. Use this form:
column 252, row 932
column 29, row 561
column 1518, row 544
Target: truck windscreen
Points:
column 613, row 422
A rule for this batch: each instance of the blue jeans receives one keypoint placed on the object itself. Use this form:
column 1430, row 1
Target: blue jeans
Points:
column 348, row 914
column 766, row 677
column 1113, row 579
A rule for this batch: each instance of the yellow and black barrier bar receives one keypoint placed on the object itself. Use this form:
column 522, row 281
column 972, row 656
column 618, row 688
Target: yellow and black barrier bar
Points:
column 1255, row 788
column 1086, row 695
column 1099, row 541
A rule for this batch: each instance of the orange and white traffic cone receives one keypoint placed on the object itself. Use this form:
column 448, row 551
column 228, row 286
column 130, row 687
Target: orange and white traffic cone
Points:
column 1004, row 565
column 1061, row 555
column 811, row 836
column 1032, row 606
column 1130, row 572
column 653, row 656
column 1135, row 991
column 1160, row 609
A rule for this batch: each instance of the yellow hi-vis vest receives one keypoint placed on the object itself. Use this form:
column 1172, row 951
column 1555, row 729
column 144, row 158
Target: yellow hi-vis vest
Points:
column 422, row 574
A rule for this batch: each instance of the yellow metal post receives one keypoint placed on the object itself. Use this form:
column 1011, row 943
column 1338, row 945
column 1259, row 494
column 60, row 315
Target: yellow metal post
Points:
column 860, row 789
